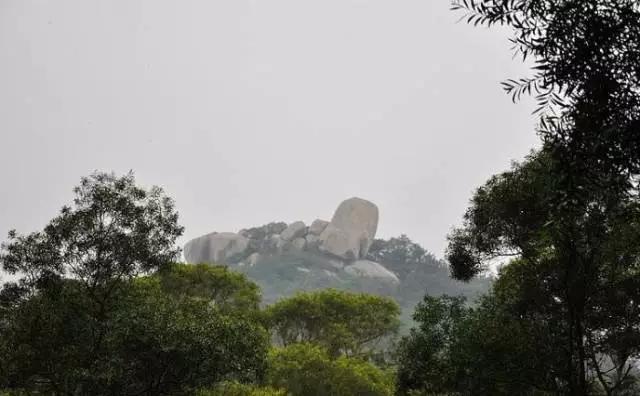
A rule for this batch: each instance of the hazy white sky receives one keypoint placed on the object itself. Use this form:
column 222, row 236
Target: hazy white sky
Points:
column 250, row 111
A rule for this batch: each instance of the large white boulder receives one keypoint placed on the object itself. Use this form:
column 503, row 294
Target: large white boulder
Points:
column 336, row 242
column 373, row 270
column 318, row 226
column 214, row 247
column 274, row 241
column 352, row 229
column 293, row 231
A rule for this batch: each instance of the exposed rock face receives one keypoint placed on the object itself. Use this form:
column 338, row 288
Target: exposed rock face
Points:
column 323, row 254
column 317, row 227
column 298, row 244
column 274, row 240
column 293, row 231
column 280, row 243
column 370, row 269
column 345, row 239
column 214, row 247
column 336, row 242
column 352, row 229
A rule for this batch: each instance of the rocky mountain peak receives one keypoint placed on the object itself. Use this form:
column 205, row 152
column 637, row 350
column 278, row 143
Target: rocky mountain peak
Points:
column 342, row 243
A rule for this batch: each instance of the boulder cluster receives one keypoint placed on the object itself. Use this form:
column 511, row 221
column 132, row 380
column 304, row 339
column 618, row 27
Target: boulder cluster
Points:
column 344, row 242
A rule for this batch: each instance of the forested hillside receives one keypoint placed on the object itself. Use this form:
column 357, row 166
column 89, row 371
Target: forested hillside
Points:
column 419, row 273
column 341, row 254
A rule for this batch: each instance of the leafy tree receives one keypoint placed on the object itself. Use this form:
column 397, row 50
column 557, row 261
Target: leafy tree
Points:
column 308, row 370
column 486, row 349
column 166, row 345
column 424, row 356
column 591, row 308
column 585, row 77
column 420, row 272
column 81, row 320
column 519, row 349
column 586, row 81
column 499, row 346
column 402, row 256
column 343, row 322
column 113, row 232
column 155, row 344
column 230, row 291
column 239, row 389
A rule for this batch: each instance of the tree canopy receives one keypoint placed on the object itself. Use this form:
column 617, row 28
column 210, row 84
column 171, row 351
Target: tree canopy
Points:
column 308, row 370
column 230, row 291
column 98, row 307
column 564, row 211
column 342, row 322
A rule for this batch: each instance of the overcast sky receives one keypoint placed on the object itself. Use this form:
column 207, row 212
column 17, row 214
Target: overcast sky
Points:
column 250, row 111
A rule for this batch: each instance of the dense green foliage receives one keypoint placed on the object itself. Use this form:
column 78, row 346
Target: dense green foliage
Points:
column 580, row 279
column 284, row 274
column 342, row 322
column 240, row 389
column 402, row 256
column 309, row 370
column 426, row 355
column 83, row 319
column 230, row 291
column 420, row 272
column 487, row 348
column 154, row 344
column 569, row 212
column 114, row 231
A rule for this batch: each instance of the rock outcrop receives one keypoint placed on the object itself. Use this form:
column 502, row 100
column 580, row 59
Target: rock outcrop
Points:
column 293, row 231
column 347, row 237
column 352, row 229
column 370, row 269
column 298, row 244
column 215, row 247
column 284, row 258
column 317, row 227
column 339, row 246
column 336, row 242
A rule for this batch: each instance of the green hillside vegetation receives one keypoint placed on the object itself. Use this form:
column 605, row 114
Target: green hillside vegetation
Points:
column 283, row 274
